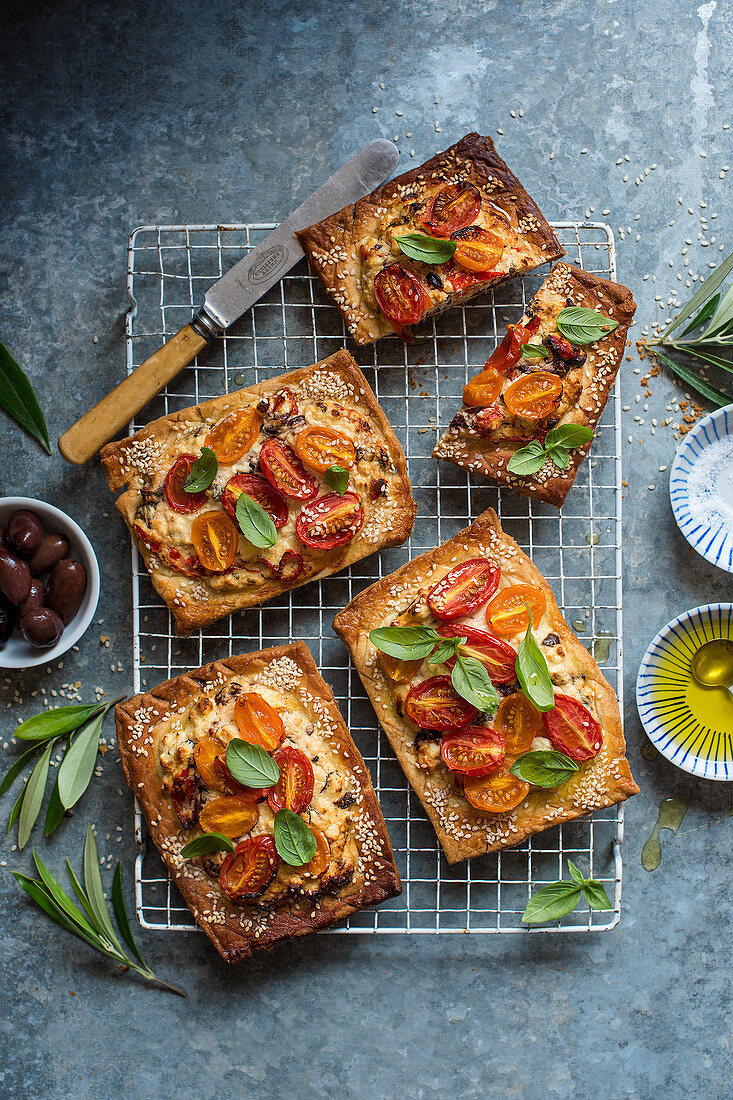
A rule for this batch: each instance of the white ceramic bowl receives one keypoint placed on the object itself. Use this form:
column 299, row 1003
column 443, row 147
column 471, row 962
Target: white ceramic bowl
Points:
column 17, row 653
column 712, row 539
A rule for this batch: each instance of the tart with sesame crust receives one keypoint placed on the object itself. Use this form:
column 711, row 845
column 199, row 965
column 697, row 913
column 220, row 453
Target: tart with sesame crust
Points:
column 483, row 227
column 481, row 586
column 173, row 744
column 322, row 474
column 538, row 385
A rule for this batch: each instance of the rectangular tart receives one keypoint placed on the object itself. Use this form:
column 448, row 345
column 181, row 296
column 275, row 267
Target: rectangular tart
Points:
column 467, row 194
column 482, row 438
column 256, row 433
column 401, row 599
column 169, row 739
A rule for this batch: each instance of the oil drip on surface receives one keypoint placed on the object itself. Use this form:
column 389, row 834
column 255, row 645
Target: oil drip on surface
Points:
column 602, row 646
column 671, row 815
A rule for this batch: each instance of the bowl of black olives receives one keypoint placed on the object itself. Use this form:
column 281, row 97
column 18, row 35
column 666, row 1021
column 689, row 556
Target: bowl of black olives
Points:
column 49, row 582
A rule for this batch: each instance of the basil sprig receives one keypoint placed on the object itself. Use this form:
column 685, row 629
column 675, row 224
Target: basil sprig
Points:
column 557, row 899
column 203, row 471
column 472, row 682
column 584, row 326
column 532, row 671
column 558, row 444
column 337, row 478
column 429, row 250
column 544, row 768
column 294, row 841
column 534, row 351
column 206, row 844
column 255, row 523
column 251, row 765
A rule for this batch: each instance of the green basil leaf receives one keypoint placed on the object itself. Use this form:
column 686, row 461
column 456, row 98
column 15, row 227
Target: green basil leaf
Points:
column 595, row 894
column 54, row 723
column 33, row 797
column 544, row 768
column 251, row 765
column 532, row 671
column 405, row 643
column 583, row 326
column 550, row 902
column 428, row 250
column 473, row 683
column 337, row 478
column 204, row 845
column 14, row 771
column 255, row 523
column 568, row 436
column 559, row 457
column 77, row 767
column 576, row 873
column 535, row 351
column 19, row 400
column 707, row 311
column 445, row 650
column 294, row 841
column 203, row 471
column 527, row 460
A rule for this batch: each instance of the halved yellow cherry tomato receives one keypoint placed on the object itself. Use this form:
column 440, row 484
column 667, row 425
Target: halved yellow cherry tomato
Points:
column 478, row 249
column 518, row 722
column 233, row 436
column 258, row 722
column 215, row 540
column 205, row 756
column 483, row 390
column 496, row 793
column 534, row 396
column 398, row 671
column 506, row 614
column 321, row 448
column 321, row 856
column 233, row 815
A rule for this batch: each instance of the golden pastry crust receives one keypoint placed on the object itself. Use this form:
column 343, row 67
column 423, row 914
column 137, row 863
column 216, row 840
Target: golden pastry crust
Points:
column 586, row 389
column 238, row 930
column 334, row 246
column 142, row 460
column 462, row 830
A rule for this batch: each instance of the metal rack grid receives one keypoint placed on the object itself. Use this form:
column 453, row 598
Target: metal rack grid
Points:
column 419, row 387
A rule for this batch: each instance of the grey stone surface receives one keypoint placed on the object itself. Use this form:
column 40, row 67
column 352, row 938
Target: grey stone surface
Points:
column 118, row 114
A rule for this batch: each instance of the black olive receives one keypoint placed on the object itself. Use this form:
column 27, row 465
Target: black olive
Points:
column 434, row 280
column 551, row 639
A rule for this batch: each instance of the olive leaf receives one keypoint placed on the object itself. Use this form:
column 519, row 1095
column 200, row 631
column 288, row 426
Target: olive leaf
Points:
column 582, row 326
column 294, row 841
column 203, row 471
column 255, row 523
column 33, row 794
column 428, row 250
column 557, row 899
column 251, row 765
column 532, row 671
column 18, row 399
column 337, row 478
column 544, row 768
column 77, row 767
column 204, row 845
column 714, row 396
column 473, row 683
column 55, row 723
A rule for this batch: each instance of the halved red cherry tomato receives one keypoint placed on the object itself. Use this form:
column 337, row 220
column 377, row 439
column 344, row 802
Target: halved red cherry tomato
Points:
column 573, row 729
column 478, row 249
column 435, row 704
column 509, row 351
column 453, row 207
column 533, row 396
column 186, row 797
column 320, row 448
column 175, row 494
column 463, row 589
column 260, row 490
column 478, row 750
column 258, row 723
column 399, row 295
column 233, row 436
column 497, row 793
column 330, row 521
column 250, row 868
column 290, row 566
column 321, row 857
column 215, row 540
column 233, row 815
column 484, row 389
column 506, row 614
column 284, row 470
column 518, row 722
column 499, row 658
column 294, row 788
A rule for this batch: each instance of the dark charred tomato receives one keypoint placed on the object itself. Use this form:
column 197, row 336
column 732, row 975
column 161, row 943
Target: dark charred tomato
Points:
column 290, row 566
column 534, row 396
column 478, row 250
column 507, row 612
column 285, row 472
column 175, row 494
column 458, row 278
column 233, row 436
column 509, row 351
column 320, row 448
column 399, row 295
column 518, row 722
column 456, row 205
column 283, row 404
column 488, row 420
column 250, row 868
column 434, row 704
column 498, row 657
column 321, row 856
column 497, row 793
column 260, row 490
column 330, row 521
column 233, row 815
column 186, row 796
column 573, row 729
column 294, row 788
column 484, row 389
column 215, row 540
column 463, row 589
column 478, row 750
column 258, row 723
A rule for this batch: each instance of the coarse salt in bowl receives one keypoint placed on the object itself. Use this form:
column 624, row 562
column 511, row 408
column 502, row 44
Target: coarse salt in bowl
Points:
column 701, row 488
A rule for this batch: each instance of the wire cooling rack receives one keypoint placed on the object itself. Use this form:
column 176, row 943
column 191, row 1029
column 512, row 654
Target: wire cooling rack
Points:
column 419, row 387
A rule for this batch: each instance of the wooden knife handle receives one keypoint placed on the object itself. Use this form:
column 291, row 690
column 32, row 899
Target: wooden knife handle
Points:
column 114, row 411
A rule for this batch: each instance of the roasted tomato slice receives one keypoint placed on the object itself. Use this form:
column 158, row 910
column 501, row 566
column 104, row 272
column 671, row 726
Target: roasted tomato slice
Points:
column 484, row 389
column 285, row 472
column 399, row 295
column 186, row 797
column 507, row 615
column 260, row 490
column 434, row 704
column 533, row 396
column 215, row 540
column 294, row 788
column 321, row 448
column 290, row 566
column 453, row 207
column 509, row 351
column 233, row 436
column 330, row 521
column 321, row 856
column 250, row 868
column 175, row 494
column 209, row 755
column 258, row 722
column 498, row 657
column 463, row 589
column 283, row 404
column 478, row 250
column 497, row 793
column 478, row 750
column 233, row 815
column 518, row 722
column 573, row 729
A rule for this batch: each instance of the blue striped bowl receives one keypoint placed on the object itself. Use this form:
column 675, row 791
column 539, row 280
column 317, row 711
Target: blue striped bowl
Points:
column 712, row 540
column 691, row 726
